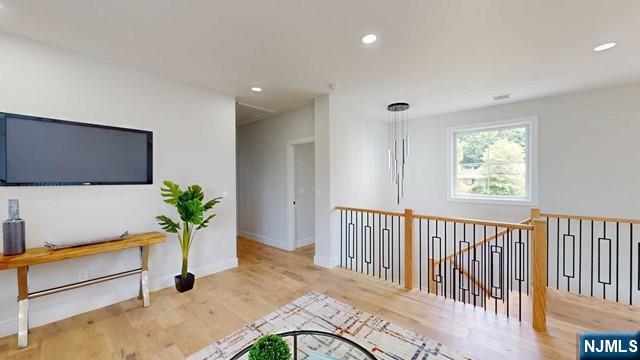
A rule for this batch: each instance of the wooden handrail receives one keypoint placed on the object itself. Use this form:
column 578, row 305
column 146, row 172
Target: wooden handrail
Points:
column 442, row 218
column 590, row 218
column 459, row 252
column 473, row 279
column 492, row 237
column 381, row 212
column 511, row 226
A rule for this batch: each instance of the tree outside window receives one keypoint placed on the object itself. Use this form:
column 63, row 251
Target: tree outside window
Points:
column 492, row 162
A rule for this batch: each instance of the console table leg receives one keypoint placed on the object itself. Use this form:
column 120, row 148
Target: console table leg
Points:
column 144, row 276
column 23, row 306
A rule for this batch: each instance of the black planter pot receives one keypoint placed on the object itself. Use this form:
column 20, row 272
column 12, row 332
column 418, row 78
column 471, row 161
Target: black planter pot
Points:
column 183, row 284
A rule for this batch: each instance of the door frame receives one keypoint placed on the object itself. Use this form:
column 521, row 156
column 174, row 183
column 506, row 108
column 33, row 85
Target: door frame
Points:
column 291, row 191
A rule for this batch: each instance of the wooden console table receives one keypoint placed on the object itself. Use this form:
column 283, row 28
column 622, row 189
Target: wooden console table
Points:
column 43, row 255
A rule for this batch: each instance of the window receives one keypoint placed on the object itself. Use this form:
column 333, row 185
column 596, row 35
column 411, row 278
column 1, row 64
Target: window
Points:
column 493, row 162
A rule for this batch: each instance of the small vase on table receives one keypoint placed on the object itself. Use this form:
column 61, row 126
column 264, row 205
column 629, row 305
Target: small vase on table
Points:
column 13, row 231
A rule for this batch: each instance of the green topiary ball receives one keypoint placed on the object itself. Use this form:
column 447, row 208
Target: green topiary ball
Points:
column 270, row 347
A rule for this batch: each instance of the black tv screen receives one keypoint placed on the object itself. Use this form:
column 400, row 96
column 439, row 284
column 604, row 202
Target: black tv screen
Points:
column 47, row 152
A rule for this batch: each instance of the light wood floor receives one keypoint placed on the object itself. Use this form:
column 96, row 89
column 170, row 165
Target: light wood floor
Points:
column 176, row 325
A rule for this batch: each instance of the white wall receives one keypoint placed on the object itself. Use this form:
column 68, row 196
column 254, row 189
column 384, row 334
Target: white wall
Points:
column 325, row 253
column 262, row 174
column 587, row 151
column 350, row 169
column 305, row 193
column 588, row 165
column 359, row 175
column 194, row 142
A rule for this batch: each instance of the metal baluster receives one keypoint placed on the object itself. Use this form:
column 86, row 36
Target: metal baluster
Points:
column 558, row 254
column 391, row 236
column 520, row 273
column 341, row 242
column 379, row 246
column 564, row 255
column 399, row 251
column 386, row 268
column 437, row 277
column 350, row 241
column 580, row 259
column 420, row 255
column 592, row 257
column 508, row 267
column 361, row 241
column 454, row 265
column 527, row 256
column 484, row 266
column 638, row 265
column 564, row 258
column 444, row 282
column 618, row 260
column 475, row 274
column 604, row 231
column 429, row 255
column 631, row 264
column 500, row 273
column 366, row 243
column 373, row 245
column 548, row 250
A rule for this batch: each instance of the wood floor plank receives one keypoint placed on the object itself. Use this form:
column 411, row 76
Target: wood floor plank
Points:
column 176, row 325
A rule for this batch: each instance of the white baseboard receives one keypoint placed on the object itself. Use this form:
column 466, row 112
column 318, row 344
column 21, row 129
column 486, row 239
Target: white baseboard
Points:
column 202, row 271
column 284, row 245
column 326, row 262
column 44, row 313
column 305, row 241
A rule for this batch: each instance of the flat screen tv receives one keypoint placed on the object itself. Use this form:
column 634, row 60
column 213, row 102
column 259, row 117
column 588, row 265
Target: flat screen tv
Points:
column 37, row 151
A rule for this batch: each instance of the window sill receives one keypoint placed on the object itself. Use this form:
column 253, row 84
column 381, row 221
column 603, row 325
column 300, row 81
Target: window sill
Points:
column 492, row 201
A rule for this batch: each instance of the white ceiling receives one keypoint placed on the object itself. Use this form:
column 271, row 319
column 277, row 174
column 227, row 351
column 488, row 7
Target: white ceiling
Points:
column 440, row 55
column 246, row 113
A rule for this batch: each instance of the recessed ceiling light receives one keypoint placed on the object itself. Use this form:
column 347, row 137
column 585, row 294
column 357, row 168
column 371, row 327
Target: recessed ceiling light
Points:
column 369, row 39
column 256, row 89
column 604, row 47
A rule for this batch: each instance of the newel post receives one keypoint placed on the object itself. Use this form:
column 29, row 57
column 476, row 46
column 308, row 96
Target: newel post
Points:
column 539, row 272
column 408, row 249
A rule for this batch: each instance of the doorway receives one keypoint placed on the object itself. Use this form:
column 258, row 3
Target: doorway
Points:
column 301, row 192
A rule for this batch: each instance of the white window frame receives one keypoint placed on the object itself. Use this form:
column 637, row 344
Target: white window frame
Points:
column 531, row 198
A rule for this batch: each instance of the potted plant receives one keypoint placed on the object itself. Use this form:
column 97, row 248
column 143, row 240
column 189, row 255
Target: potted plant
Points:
column 270, row 347
column 192, row 210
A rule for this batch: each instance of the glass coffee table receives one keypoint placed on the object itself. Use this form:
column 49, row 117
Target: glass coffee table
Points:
column 318, row 345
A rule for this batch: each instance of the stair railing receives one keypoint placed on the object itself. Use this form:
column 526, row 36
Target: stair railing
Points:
column 477, row 262
column 594, row 256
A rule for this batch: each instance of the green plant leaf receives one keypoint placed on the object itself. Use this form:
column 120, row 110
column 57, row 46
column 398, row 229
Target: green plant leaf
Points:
column 205, row 222
column 190, row 210
column 270, row 347
column 211, row 203
column 170, row 192
column 167, row 224
column 195, row 192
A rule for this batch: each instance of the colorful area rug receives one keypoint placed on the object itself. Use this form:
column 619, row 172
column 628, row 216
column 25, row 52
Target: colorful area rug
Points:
column 315, row 311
